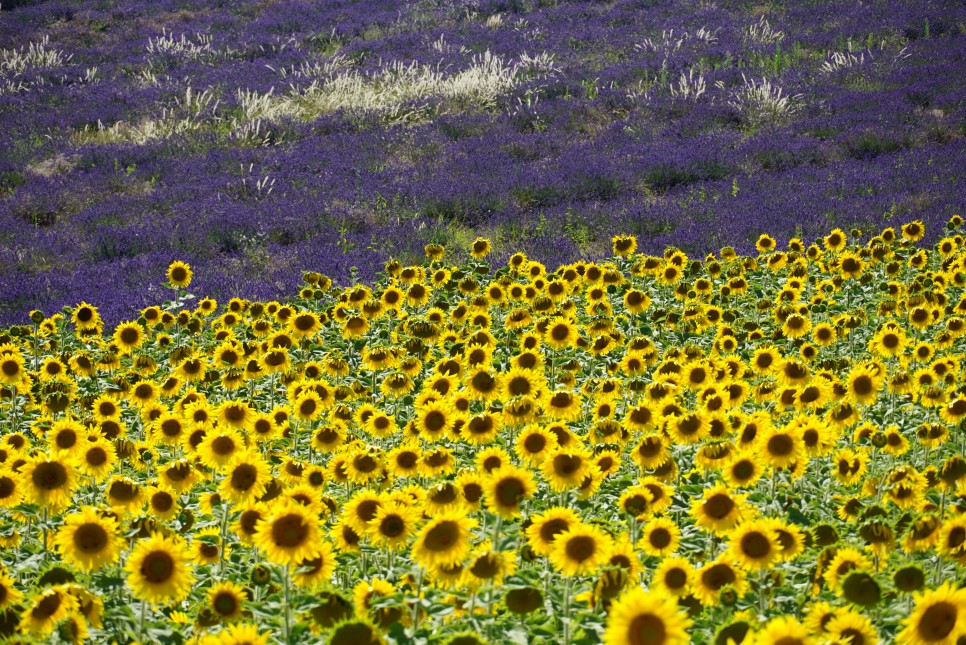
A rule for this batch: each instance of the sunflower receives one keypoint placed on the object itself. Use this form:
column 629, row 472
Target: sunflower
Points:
column 846, row 559
column 157, row 570
column 236, row 415
column 480, row 248
column 784, row 630
column 66, row 437
column 11, row 487
column 913, row 231
column 754, row 545
column 12, row 369
column 219, row 448
column 563, row 405
column 237, row 634
column 580, row 550
column 168, row 429
column 561, row 333
column 545, row 527
column 89, row 540
column 316, row 570
column 506, row 488
column 404, row 460
column 688, row 429
column 939, row 617
column 636, row 501
column 889, row 341
column 307, row 406
column 781, row 447
column 179, row 274
column 53, row 369
column 434, row 420
column 9, row 594
column 180, row 476
column 796, row 326
column 651, row 452
column 742, row 469
column 49, row 482
column 162, row 503
column 714, row 576
column 85, row 317
column 206, row 546
column 660, row 537
column 566, row 468
column 305, row 324
column 481, row 429
column 863, row 384
column 46, row 610
column 644, row 617
column 245, row 477
column 128, row 336
column 444, row 540
column 849, row 466
column 289, row 535
column 719, row 510
column 392, row 525
column 226, row 601
column 673, row 576
column 489, row 567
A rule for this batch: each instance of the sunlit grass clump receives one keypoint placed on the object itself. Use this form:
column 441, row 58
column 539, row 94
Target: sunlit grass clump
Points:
column 646, row 449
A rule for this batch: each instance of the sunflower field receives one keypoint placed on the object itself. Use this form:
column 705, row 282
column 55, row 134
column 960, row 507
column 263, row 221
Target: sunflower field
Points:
column 646, row 449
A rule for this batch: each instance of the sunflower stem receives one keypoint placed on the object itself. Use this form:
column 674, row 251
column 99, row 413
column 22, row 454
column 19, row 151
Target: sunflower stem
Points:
column 762, row 605
column 222, row 536
column 566, row 610
column 419, row 591
column 498, row 525
column 44, row 544
column 288, row 607
column 144, row 611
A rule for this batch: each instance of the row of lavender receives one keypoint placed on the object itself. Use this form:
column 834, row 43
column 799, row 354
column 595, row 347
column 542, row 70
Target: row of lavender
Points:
column 258, row 139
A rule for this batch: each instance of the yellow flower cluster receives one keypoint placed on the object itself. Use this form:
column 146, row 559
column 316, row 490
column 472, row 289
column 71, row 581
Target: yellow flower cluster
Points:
column 648, row 449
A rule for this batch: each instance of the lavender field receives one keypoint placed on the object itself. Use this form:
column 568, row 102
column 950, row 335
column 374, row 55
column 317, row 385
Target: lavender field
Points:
column 256, row 140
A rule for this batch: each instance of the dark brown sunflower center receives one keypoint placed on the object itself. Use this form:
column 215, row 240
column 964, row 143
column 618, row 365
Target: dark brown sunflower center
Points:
column 47, row 607
column 49, row 476
column 392, row 526
column 486, row 567
column 435, row 421
column 566, row 465
column 289, row 530
column 718, row 576
column 862, row 385
column 90, row 538
column 755, row 545
column 7, row 487
column 223, row 446
column 162, row 501
column 442, row 537
column 158, row 567
column 225, row 603
column 646, row 629
column 718, row 506
column 937, row 622
column 365, row 463
column 743, row 469
column 675, row 578
column 444, row 494
column 243, row 477
column 407, row 460
column 509, row 491
column 660, row 538
column 780, row 445
column 581, row 548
